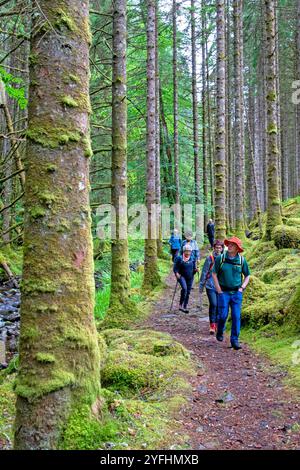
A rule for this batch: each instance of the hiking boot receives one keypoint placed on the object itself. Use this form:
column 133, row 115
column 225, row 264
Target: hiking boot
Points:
column 185, row 310
column 236, row 346
column 212, row 329
column 219, row 337
column 181, row 309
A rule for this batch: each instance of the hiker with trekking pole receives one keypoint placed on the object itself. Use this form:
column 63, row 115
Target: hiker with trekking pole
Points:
column 206, row 281
column 231, row 275
column 184, row 270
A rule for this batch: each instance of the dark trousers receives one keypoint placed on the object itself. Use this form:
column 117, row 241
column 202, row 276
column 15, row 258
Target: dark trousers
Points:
column 174, row 253
column 211, row 240
column 186, row 286
column 213, row 305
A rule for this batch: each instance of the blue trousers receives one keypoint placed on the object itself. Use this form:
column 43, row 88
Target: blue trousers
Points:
column 234, row 301
column 213, row 305
column 186, row 286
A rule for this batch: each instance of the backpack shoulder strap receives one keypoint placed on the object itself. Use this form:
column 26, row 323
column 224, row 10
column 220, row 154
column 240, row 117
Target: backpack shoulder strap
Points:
column 241, row 264
column 222, row 261
column 212, row 262
column 241, row 260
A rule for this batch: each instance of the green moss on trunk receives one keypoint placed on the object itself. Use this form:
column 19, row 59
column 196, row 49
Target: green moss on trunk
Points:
column 59, row 355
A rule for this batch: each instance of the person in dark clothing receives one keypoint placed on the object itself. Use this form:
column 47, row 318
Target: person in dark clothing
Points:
column 184, row 270
column 206, row 281
column 175, row 243
column 210, row 229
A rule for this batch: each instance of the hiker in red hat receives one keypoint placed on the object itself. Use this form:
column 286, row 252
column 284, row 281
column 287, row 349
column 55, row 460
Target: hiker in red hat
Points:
column 231, row 276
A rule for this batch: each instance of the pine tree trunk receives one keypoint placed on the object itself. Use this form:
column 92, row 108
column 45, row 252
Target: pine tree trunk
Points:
column 120, row 274
column 151, row 276
column 204, row 116
column 257, row 139
column 167, row 182
column 196, row 125
column 274, row 202
column 285, row 156
column 58, row 379
column 209, row 136
column 261, row 130
column 175, row 105
column 169, row 172
column 297, row 160
column 254, row 197
column 230, row 199
column 220, row 162
column 278, row 112
column 239, row 165
column 160, row 252
column 264, row 122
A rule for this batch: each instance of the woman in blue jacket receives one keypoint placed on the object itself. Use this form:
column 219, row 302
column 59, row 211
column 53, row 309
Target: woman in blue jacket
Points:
column 175, row 243
column 184, row 270
column 206, row 280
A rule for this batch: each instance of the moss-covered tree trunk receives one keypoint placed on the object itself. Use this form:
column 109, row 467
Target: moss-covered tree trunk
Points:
column 220, row 159
column 166, row 141
column 160, row 251
column 151, row 276
column 254, row 202
column 278, row 111
column 175, row 105
column 230, row 197
column 196, row 126
column 297, row 159
column 59, row 372
column 274, row 202
column 204, row 116
column 210, row 149
column 120, row 275
column 263, row 74
column 239, row 165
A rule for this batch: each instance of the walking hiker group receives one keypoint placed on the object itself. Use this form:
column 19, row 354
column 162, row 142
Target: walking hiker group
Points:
column 225, row 276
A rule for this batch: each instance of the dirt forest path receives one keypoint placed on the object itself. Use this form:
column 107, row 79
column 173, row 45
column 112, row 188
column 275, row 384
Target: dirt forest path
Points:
column 239, row 400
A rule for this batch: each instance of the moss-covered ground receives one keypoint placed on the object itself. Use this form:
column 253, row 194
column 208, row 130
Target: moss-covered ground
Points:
column 144, row 382
column 144, row 377
column 145, row 373
column 281, row 345
column 271, row 307
column 7, row 411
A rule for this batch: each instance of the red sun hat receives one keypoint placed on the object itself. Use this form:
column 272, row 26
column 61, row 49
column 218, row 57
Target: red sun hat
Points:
column 235, row 240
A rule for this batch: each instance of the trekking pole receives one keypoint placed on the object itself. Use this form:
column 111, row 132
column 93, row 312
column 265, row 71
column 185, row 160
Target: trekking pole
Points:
column 200, row 303
column 173, row 297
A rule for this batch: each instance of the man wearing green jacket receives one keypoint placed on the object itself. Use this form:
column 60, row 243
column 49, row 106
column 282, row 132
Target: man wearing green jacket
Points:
column 231, row 275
